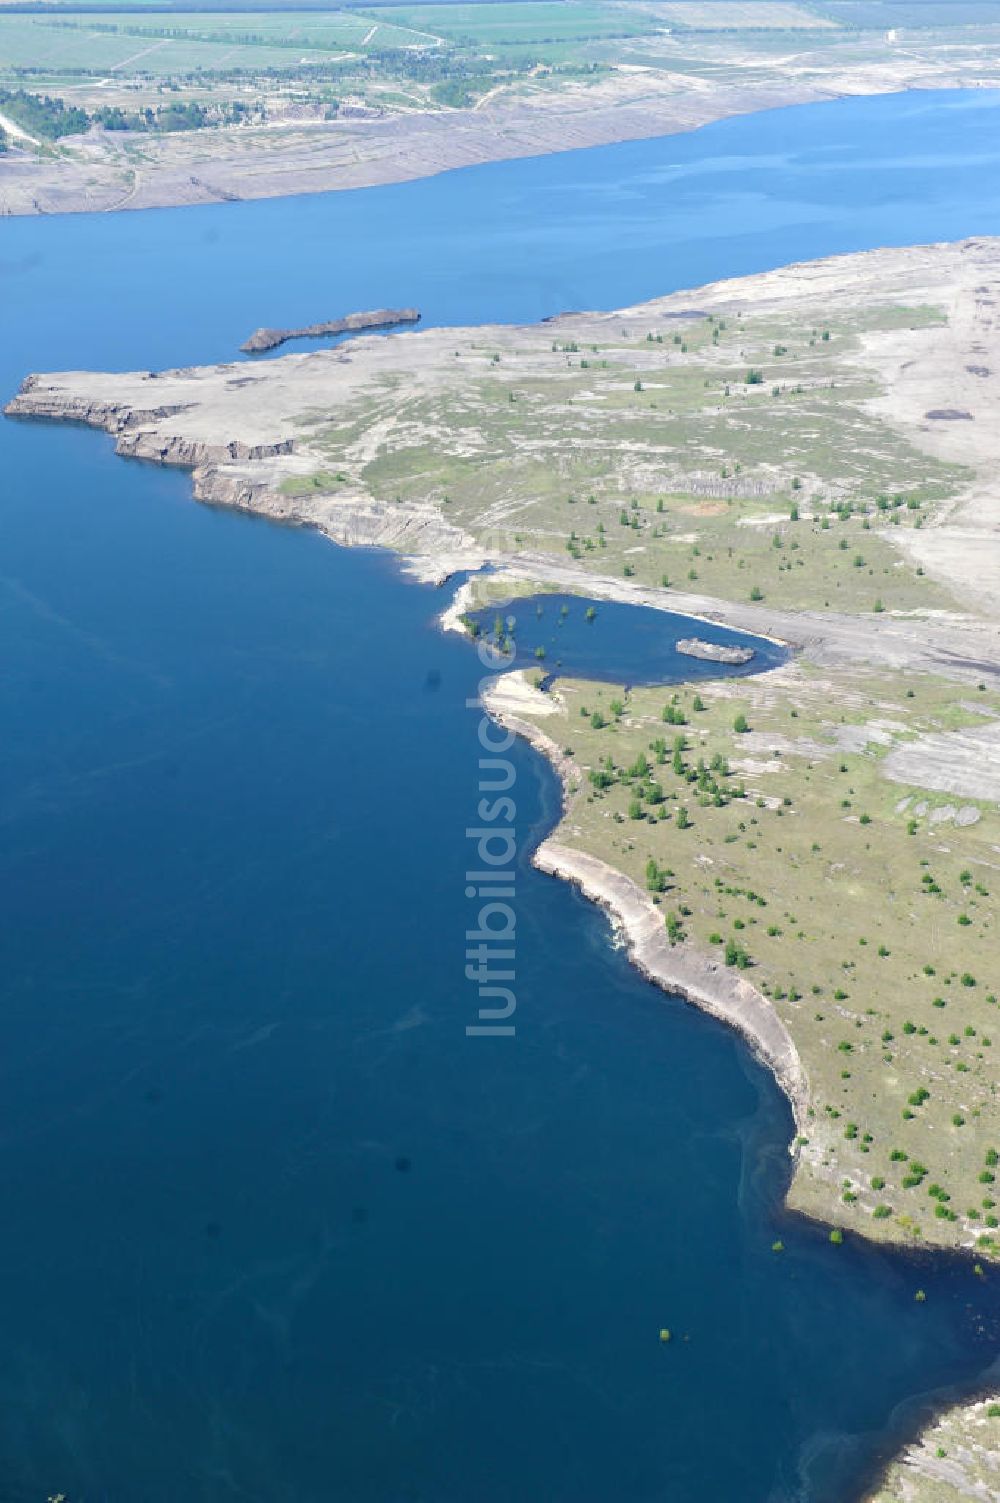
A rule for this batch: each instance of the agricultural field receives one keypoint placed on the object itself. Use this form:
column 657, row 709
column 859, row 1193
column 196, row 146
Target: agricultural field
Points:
column 289, row 61
column 740, row 15
column 879, row 15
column 266, row 102
column 177, row 43
column 528, row 22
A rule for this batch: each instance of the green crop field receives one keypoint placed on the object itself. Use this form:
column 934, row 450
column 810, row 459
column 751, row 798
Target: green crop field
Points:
column 63, row 48
column 323, row 32
column 740, row 15
column 170, row 44
column 885, row 14
column 509, row 21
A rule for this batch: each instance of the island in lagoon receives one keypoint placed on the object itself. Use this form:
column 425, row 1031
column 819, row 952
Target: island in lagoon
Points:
column 714, row 652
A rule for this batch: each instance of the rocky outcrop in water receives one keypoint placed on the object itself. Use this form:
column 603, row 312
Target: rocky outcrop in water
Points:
column 713, row 652
column 351, row 323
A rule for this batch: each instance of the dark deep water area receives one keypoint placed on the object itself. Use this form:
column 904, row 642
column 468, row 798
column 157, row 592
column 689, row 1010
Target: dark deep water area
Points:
column 274, row 1227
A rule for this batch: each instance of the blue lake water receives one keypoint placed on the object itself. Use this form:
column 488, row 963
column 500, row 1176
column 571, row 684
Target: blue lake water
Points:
column 571, row 635
column 274, row 1227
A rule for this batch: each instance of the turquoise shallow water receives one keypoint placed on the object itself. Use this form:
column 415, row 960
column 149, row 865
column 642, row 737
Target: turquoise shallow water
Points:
column 275, row 1228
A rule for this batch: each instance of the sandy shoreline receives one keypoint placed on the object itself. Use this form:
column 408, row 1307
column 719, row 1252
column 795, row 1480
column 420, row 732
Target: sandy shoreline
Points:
column 222, row 165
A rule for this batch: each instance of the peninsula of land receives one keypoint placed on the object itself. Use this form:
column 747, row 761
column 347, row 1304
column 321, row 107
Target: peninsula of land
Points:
column 810, row 853
column 352, row 323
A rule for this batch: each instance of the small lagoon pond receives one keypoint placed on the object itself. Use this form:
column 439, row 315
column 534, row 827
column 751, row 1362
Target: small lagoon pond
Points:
column 571, row 636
